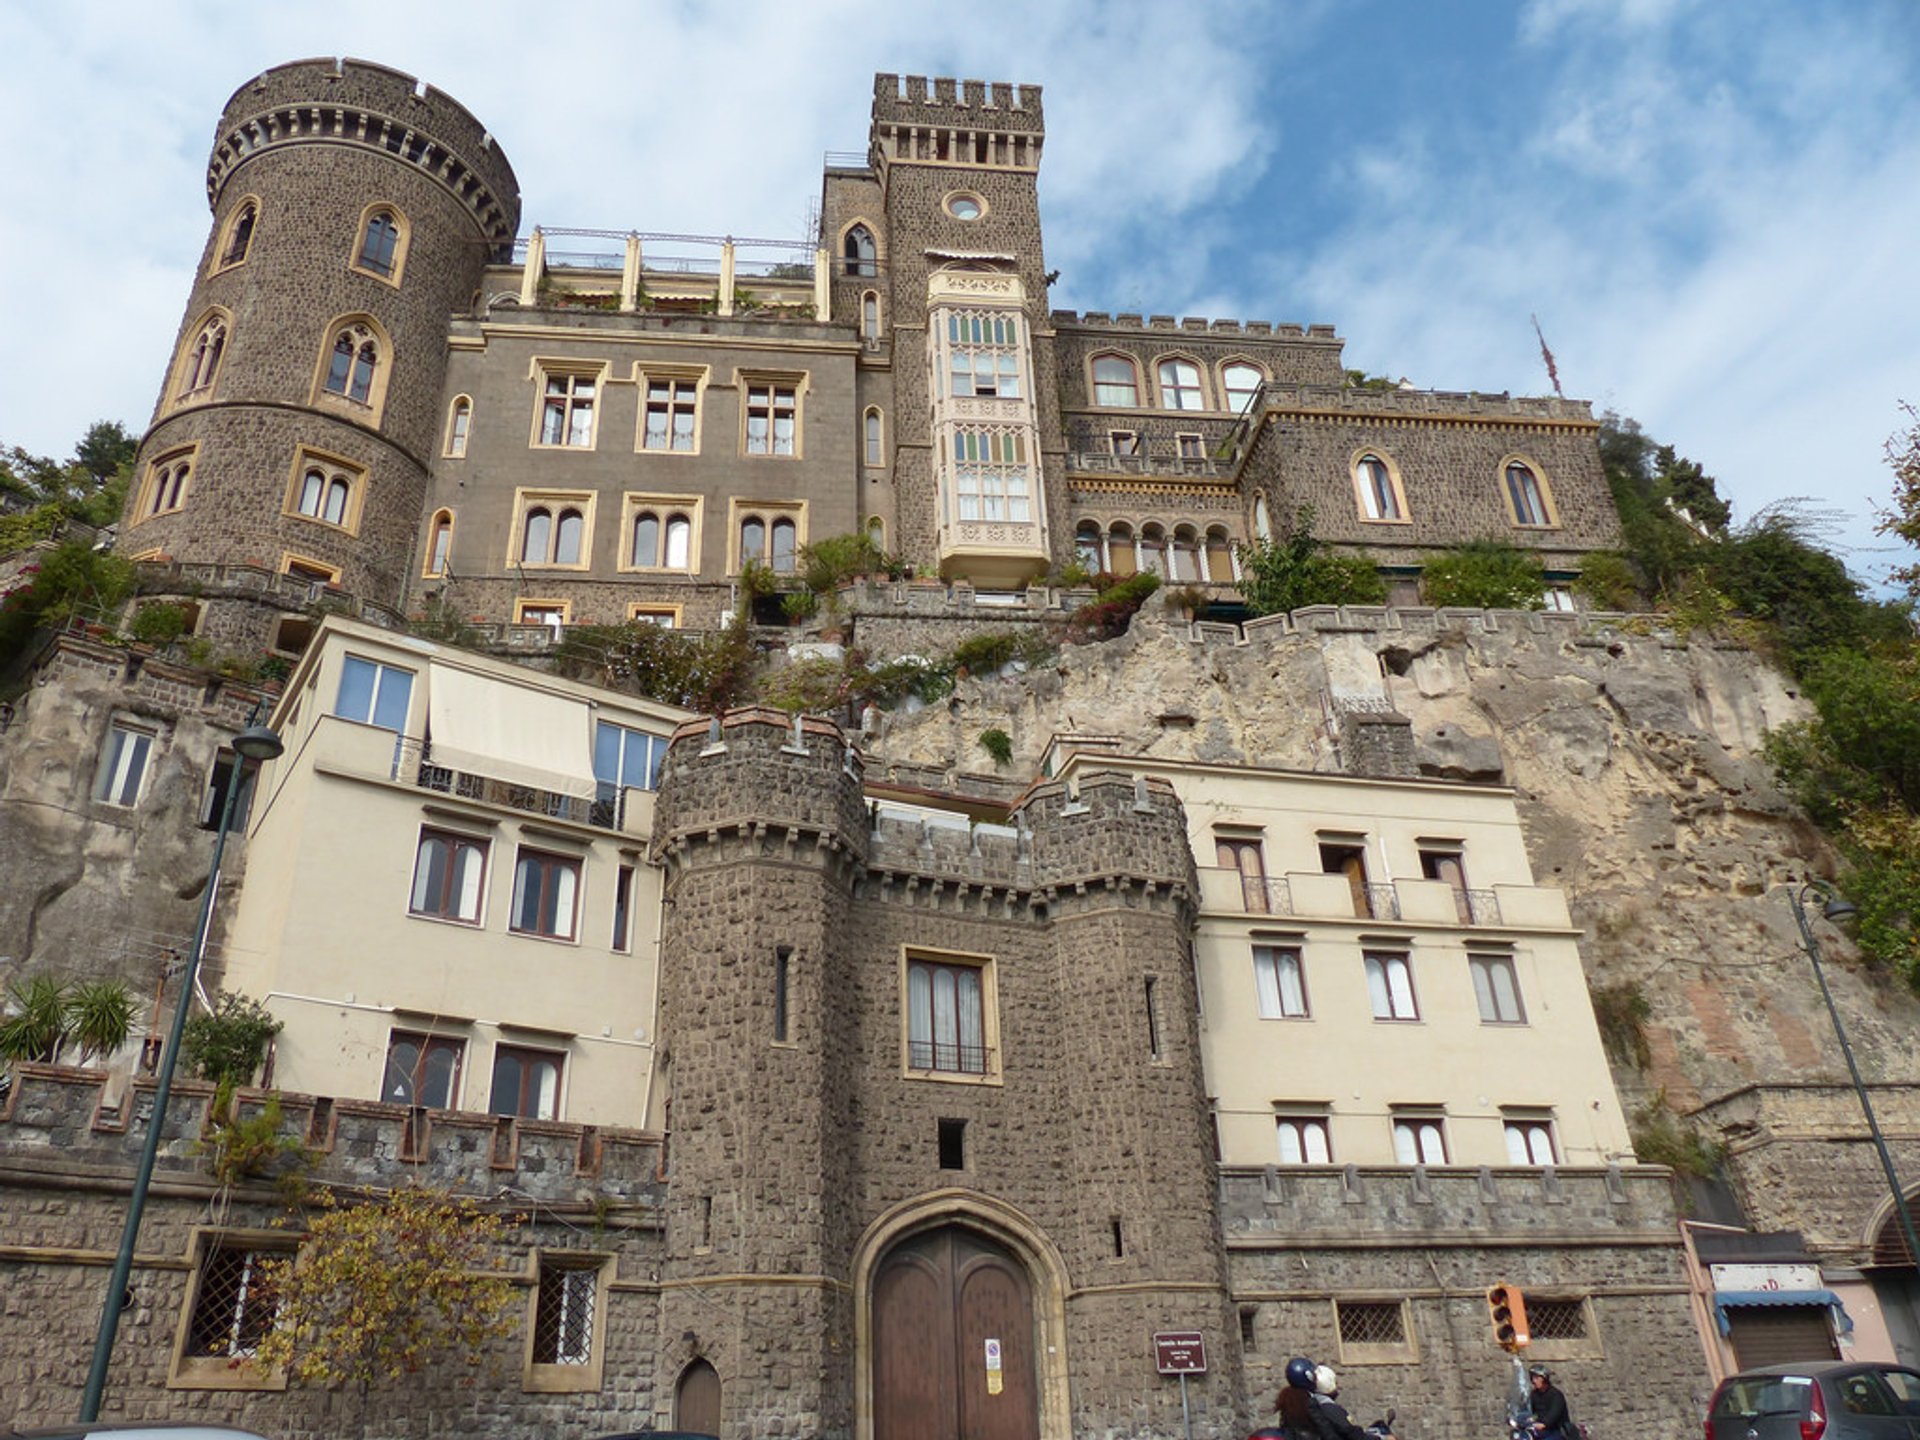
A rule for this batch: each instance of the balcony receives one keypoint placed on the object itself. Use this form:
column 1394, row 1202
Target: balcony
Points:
column 1104, row 462
column 611, row 809
column 1309, row 895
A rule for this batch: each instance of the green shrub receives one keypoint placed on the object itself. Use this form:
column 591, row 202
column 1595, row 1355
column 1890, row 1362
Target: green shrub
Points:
column 986, row 652
column 829, row 563
column 1608, row 582
column 1485, row 575
column 1622, row 1011
column 1111, row 614
column 1661, row 1137
column 228, row 1045
column 159, row 623
column 706, row 672
column 1297, row 569
column 997, row 743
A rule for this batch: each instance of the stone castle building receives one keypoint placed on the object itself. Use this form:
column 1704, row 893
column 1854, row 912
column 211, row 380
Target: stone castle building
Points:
column 685, row 1014
column 380, row 397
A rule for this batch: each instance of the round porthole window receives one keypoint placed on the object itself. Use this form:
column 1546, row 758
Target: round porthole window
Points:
column 965, row 207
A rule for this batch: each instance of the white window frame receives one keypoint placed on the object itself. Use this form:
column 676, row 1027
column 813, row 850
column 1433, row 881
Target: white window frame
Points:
column 378, row 694
column 1297, row 1137
column 126, row 763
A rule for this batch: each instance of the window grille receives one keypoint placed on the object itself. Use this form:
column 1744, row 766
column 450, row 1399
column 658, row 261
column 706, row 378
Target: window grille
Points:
column 234, row 1308
column 564, row 1315
column 1372, row 1322
column 1556, row 1319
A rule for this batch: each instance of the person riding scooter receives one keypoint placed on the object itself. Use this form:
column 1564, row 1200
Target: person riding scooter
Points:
column 1309, row 1409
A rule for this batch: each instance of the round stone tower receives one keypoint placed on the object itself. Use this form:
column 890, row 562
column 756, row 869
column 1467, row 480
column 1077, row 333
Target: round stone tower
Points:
column 354, row 210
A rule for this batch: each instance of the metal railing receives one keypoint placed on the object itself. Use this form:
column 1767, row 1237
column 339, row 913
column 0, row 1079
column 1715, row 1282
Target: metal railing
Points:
column 948, row 1057
column 413, row 764
column 1382, row 902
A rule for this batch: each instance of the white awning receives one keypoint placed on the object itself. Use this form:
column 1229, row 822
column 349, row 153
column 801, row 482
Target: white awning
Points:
column 509, row 732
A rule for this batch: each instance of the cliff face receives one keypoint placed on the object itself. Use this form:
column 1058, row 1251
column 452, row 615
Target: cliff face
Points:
column 1636, row 758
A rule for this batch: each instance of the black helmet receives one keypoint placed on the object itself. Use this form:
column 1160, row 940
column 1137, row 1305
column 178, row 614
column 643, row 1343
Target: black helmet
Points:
column 1300, row 1373
column 1539, row 1372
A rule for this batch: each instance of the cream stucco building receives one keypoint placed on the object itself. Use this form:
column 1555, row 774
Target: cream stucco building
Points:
column 1381, row 981
column 447, row 901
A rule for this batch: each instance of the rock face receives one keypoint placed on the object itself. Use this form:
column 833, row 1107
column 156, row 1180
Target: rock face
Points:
column 1637, row 759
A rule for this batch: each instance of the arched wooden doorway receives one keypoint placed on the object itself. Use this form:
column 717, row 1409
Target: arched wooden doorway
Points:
column 953, row 1341
column 696, row 1399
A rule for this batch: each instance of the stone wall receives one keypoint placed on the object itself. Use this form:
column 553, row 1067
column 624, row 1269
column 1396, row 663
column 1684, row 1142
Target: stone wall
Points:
column 562, row 1187
column 97, row 889
column 1301, row 1242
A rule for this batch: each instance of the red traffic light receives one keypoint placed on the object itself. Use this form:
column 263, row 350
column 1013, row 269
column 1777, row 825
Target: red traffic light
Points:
column 1507, row 1308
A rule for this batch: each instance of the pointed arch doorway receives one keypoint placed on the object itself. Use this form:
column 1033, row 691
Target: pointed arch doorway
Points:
column 955, row 1349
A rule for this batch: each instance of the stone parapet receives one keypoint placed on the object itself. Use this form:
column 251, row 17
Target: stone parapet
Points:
column 356, row 102
column 971, row 104
column 1193, row 324
column 1311, row 400
column 67, row 1123
column 1324, row 1207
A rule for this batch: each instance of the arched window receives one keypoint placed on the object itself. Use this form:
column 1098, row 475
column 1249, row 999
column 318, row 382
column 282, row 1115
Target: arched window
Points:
column 239, row 235
column 1527, row 495
column 1115, row 381
column 536, row 535
column 1184, row 558
column 876, row 455
column 1086, row 547
column 351, row 369
column 1180, row 385
column 646, row 539
column 380, row 243
column 877, row 532
column 459, row 419
column 679, row 554
column 1220, row 568
column 1379, row 495
column 203, row 358
column 440, row 543
column 870, row 316
column 1120, row 552
column 325, row 495
column 860, row 252
column 785, row 536
column 1240, row 382
column 334, row 512
column 753, row 539
column 1153, row 550
column 567, row 536
column 167, row 483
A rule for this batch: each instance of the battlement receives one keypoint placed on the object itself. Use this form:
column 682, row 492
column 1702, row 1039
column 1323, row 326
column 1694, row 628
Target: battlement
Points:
column 971, row 104
column 360, row 103
column 1469, row 404
column 75, row 1120
column 1192, row 325
column 1324, row 1206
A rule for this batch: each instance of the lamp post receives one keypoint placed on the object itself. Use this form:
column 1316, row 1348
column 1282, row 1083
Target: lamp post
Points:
column 257, row 742
column 1836, row 908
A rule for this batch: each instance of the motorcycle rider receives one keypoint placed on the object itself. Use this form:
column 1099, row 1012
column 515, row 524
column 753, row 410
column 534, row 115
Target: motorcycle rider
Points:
column 1551, row 1420
column 1309, row 1409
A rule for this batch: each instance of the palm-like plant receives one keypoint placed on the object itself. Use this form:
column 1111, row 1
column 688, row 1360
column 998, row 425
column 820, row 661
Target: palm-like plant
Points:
column 42, row 1014
column 100, row 1017
column 36, row 1020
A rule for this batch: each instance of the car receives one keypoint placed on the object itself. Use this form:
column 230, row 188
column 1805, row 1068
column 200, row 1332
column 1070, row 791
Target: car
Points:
column 1822, row 1400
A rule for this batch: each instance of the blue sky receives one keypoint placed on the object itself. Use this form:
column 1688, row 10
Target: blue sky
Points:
column 1710, row 207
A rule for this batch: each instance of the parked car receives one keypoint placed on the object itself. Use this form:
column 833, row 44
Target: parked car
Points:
column 1825, row 1400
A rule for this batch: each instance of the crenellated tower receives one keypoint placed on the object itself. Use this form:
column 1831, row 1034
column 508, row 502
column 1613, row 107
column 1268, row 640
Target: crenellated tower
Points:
column 354, row 209
column 940, row 233
column 936, row 1096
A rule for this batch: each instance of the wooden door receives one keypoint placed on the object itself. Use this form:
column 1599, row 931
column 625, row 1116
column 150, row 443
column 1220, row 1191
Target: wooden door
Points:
column 953, row 1342
column 696, row 1399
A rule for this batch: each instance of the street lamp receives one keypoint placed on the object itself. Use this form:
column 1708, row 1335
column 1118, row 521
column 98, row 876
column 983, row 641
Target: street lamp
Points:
column 255, row 743
column 1834, row 908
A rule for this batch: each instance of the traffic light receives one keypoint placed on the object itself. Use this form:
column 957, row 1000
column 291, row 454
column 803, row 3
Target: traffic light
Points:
column 1507, row 1307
